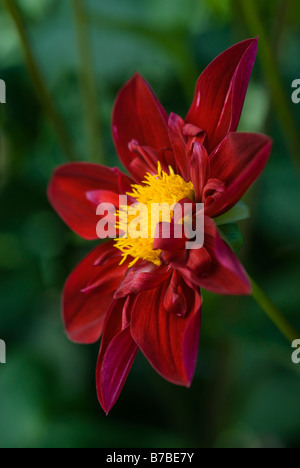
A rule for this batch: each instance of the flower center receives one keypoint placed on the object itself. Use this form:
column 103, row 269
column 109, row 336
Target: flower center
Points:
column 157, row 190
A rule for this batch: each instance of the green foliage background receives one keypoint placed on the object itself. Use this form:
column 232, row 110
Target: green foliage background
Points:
column 246, row 392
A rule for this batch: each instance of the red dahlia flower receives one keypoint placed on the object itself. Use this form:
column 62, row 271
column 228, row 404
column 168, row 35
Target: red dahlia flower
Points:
column 146, row 295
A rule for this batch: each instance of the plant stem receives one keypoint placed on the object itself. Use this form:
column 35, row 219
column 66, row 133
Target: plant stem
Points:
column 89, row 90
column 40, row 87
column 273, row 78
column 273, row 313
column 283, row 13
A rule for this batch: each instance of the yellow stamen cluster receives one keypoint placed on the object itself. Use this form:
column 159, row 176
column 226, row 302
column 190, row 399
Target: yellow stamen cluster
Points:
column 161, row 188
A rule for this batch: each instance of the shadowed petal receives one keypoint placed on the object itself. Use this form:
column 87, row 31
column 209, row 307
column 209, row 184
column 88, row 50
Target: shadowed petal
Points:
column 169, row 341
column 117, row 353
column 215, row 267
column 89, row 292
column 221, row 90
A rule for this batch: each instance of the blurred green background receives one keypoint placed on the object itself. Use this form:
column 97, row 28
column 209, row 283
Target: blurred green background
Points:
column 246, row 391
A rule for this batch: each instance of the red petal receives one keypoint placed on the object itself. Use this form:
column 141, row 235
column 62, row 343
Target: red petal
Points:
column 168, row 341
column 216, row 268
column 84, row 312
column 238, row 161
column 165, row 237
column 103, row 196
column 199, row 170
column 145, row 156
column 71, row 194
column 228, row 276
column 221, row 90
column 117, row 353
column 176, row 125
column 138, row 116
column 176, row 297
column 140, row 278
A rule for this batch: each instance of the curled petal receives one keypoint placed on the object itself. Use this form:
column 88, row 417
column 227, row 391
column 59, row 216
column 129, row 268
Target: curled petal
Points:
column 212, row 191
column 176, row 296
column 147, row 157
column 142, row 277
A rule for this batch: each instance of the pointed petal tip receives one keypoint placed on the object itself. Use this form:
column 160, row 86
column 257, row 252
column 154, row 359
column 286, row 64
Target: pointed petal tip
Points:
column 117, row 353
column 247, row 290
column 189, row 384
column 250, row 41
column 106, row 403
column 106, row 407
column 139, row 76
column 135, row 79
